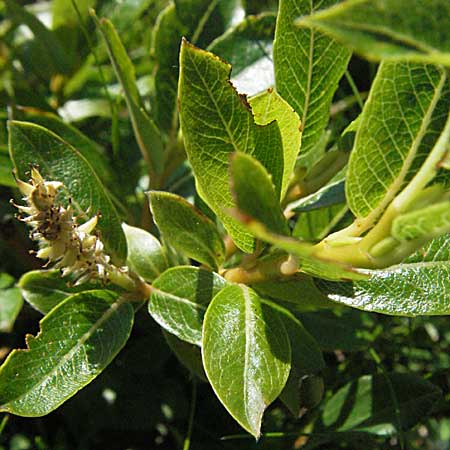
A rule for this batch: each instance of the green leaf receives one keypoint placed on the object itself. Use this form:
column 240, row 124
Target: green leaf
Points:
column 411, row 30
column 216, row 122
column 58, row 161
column 145, row 256
column 308, row 66
column 267, row 107
column 145, row 131
column 246, row 354
column 44, row 289
column 11, row 302
column 179, row 299
column 88, row 148
column 297, row 293
column 6, row 168
column 429, row 222
column 78, row 339
column 187, row 229
column 418, row 286
column 47, row 43
column 248, row 48
column 373, row 409
column 188, row 354
column 400, row 123
column 306, row 356
column 254, row 193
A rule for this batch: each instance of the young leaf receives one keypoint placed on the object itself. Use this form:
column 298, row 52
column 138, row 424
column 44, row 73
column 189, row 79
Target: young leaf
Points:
column 146, row 256
column 179, row 299
column 58, row 161
column 216, row 122
column 187, row 229
column 44, row 289
column 411, row 30
column 11, row 302
column 374, row 409
column 248, row 48
column 402, row 118
column 308, row 66
column 418, row 286
column 429, row 222
column 246, row 354
column 78, row 339
column 267, row 107
column 145, row 130
column 254, row 193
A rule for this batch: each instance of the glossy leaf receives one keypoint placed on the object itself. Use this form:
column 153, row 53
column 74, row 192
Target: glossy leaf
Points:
column 418, row 286
column 11, row 302
column 270, row 106
column 58, row 161
column 428, row 222
column 410, row 30
column 400, row 123
column 373, row 406
column 187, row 229
column 78, row 339
column 44, row 289
column 246, row 354
column 308, row 66
column 145, row 131
column 248, row 48
column 216, row 122
column 254, row 193
column 146, row 256
column 179, row 299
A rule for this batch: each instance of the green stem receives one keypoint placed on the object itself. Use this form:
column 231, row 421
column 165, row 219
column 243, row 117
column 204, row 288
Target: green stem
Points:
column 3, row 424
column 187, row 440
column 354, row 89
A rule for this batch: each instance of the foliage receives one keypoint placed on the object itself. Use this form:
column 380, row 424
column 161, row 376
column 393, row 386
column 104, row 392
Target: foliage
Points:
column 224, row 185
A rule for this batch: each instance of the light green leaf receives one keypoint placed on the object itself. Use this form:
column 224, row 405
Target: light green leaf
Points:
column 44, row 289
column 187, row 229
column 418, row 286
column 246, row 354
column 146, row 256
column 47, row 42
column 78, row 339
column 308, row 67
column 58, row 161
column 6, row 168
column 11, row 302
column 188, row 354
column 179, row 299
column 373, row 406
column 267, row 107
column 145, row 130
column 401, row 121
column 411, row 30
column 254, row 193
column 248, row 48
column 429, row 222
column 216, row 122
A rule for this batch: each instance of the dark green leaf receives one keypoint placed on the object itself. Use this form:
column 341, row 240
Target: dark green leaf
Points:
column 411, row 30
column 78, row 339
column 179, row 299
column 59, row 161
column 187, row 229
column 308, row 66
column 146, row 256
column 366, row 404
column 246, row 354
